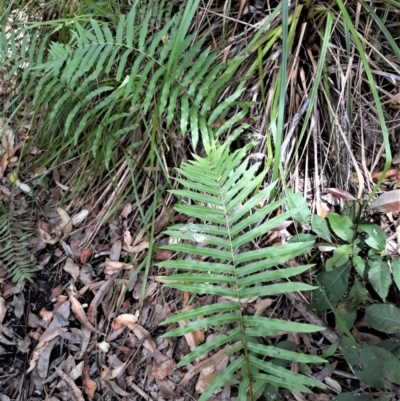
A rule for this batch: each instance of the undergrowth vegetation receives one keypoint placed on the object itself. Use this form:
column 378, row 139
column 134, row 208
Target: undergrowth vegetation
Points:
column 244, row 116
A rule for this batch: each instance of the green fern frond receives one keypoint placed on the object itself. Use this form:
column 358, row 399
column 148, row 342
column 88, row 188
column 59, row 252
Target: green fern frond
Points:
column 107, row 78
column 14, row 255
column 219, row 192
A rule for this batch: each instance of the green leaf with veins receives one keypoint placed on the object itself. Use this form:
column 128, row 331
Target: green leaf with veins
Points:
column 340, row 257
column 379, row 277
column 342, row 226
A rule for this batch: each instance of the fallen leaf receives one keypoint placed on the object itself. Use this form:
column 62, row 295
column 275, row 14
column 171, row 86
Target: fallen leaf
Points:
column 126, row 319
column 341, row 194
column 166, row 389
column 391, row 173
column 85, row 255
column 81, row 315
column 97, row 299
column 46, row 315
column 75, row 391
column 79, row 217
column 72, row 268
column 112, row 267
column 56, row 291
column 89, row 385
column 66, row 222
column 3, row 309
column 115, row 251
column 126, row 211
column 387, row 202
column 163, row 254
column 44, row 358
column 394, row 101
column 161, row 370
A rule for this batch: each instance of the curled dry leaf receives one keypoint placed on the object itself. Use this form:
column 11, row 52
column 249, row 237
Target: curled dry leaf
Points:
column 341, row 194
column 85, row 255
column 387, row 202
column 46, row 237
column 72, row 268
column 126, row 319
column 111, row 267
column 3, row 309
column 131, row 245
column 66, row 222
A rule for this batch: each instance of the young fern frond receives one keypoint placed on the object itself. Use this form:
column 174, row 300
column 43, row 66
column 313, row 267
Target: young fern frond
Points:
column 219, row 193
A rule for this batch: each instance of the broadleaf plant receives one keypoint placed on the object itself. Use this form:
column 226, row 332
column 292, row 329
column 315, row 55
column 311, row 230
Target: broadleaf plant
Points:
column 216, row 258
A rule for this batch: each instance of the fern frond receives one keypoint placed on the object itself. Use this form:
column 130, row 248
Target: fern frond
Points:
column 14, row 255
column 218, row 192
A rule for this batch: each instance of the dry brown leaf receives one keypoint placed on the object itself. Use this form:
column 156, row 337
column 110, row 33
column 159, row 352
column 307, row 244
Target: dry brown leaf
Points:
column 44, row 226
column 66, row 222
column 341, row 194
column 81, row 315
column 7, row 156
column 126, row 211
column 387, row 202
column 74, row 389
column 44, row 358
column 166, row 389
column 79, row 217
column 162, row 370
column 390, row 173
column 133, row 246
column 12, row 289
column 3, row 309
column 56, row 291
column 126, row 319
column 61, row 299
column 46, row 237
column 140, row 332
column 333, row 384
column 72, row 268
column 85, row 255
column 163, row 254
column 46, row 315
column 89, row 385
column 111, row 267
column 117, row 389
column 44, row 340
column 97, row 299
column 115, row 369
column 260, row 306
column 115, row 251
column 214, row 360
column 394, row 101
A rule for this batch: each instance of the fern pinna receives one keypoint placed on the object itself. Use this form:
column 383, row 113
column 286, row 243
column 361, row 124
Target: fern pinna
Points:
column 216, row 191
